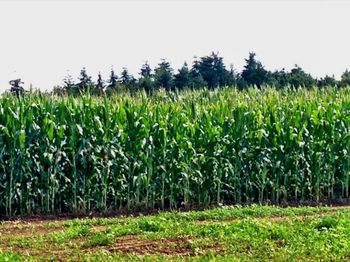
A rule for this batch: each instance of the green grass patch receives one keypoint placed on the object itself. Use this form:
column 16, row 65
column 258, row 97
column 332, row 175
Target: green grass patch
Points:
column 261, row 233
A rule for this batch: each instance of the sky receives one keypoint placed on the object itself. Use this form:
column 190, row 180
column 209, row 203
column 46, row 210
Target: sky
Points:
column 43, row 41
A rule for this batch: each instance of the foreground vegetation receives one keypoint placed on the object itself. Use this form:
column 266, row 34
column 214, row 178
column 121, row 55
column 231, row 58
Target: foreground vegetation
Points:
column 259, row 233
column 173, row 150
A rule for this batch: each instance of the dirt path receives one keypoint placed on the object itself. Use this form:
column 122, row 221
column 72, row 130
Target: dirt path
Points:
column 26, row 227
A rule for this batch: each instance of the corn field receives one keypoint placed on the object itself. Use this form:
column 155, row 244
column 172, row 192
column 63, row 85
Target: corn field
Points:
column 171, row 150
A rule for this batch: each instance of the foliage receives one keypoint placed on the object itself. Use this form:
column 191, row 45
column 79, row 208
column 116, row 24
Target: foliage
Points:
column 170, row 150
column 183, row 77
column 146, row 70
column 327, row 81
column 146, row 82
column 100, row 85
column 207, row 71
column 278, row 79
column 163, row 75
column 229, row 233
column 113, row 79
column 213, row 70
column 254, row 72
column 84, row 80
column 69, row 84
column 345, row 78
column 125, row 77
column 298, row 78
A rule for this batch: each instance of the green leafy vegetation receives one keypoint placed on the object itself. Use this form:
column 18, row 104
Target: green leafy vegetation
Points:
column 208, row 71
column 173, row 150
column 258, row 233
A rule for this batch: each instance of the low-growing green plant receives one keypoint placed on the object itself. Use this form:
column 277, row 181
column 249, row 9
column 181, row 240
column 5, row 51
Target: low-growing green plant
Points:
column 100, row 239
column 258, row 233
column 326, row 223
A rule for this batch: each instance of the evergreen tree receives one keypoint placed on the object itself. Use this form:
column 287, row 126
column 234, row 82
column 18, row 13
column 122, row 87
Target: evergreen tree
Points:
column 345, row 78
column 232, row 77
column 163, row 75
column 146, row 70
column 100, row 83
column 298, row 78
column 113, row 80
column 69, row 84
column 240, row 82
column 85, row 80
column 183, row 77
column 125, row 77
column 278, row 79
column 213, row 70
column 196, row 79
column 146, row 81
column 327, row 81
column 127, row 80
column 254, row 72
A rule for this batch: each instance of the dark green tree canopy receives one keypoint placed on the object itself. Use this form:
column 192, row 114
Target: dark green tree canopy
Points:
column 163, row 75
column 298, row 78
column 231, row 76
column 183, row 77
column 125, row 77
column 68, row 83
column 196, row 79
column 207, row 71
column 278, row 78
column 146, row 81
column 254, row 72
column 84, row 80
column 100, row 83
column 146, row 70
column 212, row 69
column 345, row 78
column 327, row 81
column 113, row 79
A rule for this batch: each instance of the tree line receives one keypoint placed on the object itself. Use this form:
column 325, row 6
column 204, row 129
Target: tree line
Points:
column 207, row 71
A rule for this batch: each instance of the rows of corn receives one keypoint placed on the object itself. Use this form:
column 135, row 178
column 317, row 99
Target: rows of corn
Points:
column 195, row 148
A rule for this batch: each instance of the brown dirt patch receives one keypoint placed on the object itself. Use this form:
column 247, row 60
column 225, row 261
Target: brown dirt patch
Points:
column 27, row 230
column 122, row 213
column 131, row 244
column 41, row 254
column 98, row 228
column 180, row 246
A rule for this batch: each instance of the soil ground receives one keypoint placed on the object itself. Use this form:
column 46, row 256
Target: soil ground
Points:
column 227, row 233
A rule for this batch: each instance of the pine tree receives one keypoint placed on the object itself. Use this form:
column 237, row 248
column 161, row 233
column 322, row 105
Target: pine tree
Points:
column 146, row 70
column 113, row 80
column 212, row 69
column 254, row 72
column 85, row 80
column 164, row 75
column 183, row 77
column 125, row 77
column 146, row 81
column 69, row 84
column 100, row 83
column 345, row 78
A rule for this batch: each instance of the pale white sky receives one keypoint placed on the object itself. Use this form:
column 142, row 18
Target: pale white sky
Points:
column 41, row 40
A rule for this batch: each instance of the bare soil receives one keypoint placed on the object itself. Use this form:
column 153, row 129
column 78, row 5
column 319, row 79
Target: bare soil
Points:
column 180, row 246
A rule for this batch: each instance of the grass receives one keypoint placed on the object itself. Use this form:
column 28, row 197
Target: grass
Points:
column 257, row 233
